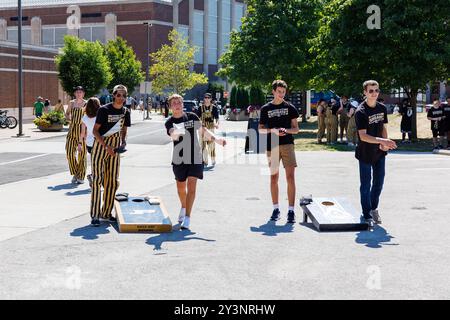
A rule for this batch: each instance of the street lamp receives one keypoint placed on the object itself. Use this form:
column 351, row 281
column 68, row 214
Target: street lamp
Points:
column 20, row 76
column 147, row 75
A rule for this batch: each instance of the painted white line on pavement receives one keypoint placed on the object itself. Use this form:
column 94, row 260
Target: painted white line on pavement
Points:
column 432, row 169
column 25, row 159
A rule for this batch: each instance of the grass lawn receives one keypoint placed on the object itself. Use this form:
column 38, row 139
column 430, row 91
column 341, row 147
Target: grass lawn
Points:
column 306, row 140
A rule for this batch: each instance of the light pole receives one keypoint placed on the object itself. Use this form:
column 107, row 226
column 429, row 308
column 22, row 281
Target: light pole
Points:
column 20, row 76
column 147, row 75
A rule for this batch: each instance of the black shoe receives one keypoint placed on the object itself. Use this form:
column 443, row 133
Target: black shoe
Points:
column 275, row 215
column 112, row 219
column 291, row 216
column 95, row 223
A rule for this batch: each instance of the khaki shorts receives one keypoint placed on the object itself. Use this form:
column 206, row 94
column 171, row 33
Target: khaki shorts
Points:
column 284, row 152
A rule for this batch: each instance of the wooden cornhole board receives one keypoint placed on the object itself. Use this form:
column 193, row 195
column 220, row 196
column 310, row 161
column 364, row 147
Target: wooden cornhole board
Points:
column 142, row 214
column 332, row 214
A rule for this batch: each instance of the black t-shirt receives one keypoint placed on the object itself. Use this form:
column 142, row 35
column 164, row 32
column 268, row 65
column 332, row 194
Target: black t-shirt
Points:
column 190, row 122
column 435, row 113
column 278, row 116
column 406, row 111
column 373, row 120
column 214, row 111
column 335, row 108
column 110, row 118
column 346, row 106
column 446, row 108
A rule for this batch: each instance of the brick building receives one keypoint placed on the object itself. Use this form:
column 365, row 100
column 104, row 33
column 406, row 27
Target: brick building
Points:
column 206, row 23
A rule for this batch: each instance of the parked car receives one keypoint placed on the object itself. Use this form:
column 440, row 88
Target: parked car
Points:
column 190, row 106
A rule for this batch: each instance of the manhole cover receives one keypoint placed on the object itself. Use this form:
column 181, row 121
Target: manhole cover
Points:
column 252, row 198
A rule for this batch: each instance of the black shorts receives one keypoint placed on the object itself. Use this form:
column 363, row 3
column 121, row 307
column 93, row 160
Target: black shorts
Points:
column 89, row 149
column 183, row 171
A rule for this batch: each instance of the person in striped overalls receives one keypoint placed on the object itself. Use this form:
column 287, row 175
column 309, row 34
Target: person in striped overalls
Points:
column 110, row 131
column 209, row 115
column 74, row 148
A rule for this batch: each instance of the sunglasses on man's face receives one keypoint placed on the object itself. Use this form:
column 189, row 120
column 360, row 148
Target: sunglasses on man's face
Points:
column 119, row 95
column 374, row 90
column 207, row 97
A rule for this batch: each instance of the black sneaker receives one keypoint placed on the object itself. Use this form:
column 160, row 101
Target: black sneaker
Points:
column 275, row 215
column 291, row 216
column 112, row 219
column 95, row 223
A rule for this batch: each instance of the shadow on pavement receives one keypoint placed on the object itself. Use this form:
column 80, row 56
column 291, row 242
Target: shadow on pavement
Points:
column 62, row 187
column 78, row 192
column 376, row 238
column 271, row 229
column 175, row 236
column 89, row 232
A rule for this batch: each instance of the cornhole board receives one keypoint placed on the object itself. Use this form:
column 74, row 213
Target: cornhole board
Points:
column 332, row 214
column 142, row 214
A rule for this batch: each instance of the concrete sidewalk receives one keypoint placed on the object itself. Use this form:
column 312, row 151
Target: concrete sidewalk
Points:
column 233, row 252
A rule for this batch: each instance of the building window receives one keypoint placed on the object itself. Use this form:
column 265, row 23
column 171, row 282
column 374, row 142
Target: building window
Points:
column 239, row 14
column 212, row 32
column 198, row 36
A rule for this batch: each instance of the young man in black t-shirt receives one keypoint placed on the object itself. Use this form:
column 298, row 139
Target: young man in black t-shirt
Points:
column 278, row 120
column 437, row 118
column 446, row 108
column 371, row 117
column 187, row 162
column 406, row 110
column 110, row 131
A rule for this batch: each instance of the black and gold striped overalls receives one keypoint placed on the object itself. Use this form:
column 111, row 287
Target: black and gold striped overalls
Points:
column 105, row 172
column 208, row 146
column 77, row 166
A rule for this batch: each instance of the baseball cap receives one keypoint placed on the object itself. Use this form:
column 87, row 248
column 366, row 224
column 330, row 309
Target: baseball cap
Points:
column 207, row 95
column 120, row 87
column 78, row 88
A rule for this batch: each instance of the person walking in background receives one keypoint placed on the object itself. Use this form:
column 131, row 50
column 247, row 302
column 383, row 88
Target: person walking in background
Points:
column 209, row 115
column 38, row 107
column 59, row 107
column 47, row 106
column 74, row 114
column 406, row 111
column 321, row 107
column 331, row 121
column 343, row 110
column 352, row 135
column 87, row 129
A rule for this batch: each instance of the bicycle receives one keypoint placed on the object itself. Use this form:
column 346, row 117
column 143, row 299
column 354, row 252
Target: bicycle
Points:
column 7, row 121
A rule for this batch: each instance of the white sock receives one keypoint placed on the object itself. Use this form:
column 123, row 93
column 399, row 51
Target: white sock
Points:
column 182, row 214
column 291, row 208
column 186, row 221
column 276, row 206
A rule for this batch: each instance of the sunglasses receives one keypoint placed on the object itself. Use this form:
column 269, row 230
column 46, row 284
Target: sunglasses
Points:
column 207, row 97
column 374, row 90
column 119, row 95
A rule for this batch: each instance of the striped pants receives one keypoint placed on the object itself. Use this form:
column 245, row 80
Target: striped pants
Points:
column 77, row 167
column 208, row 149
column 105, row 172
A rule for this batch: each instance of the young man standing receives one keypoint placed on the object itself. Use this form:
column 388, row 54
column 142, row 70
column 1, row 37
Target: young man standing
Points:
column 38, row 107
column 74, row 114
column 110, row 131
column 437, row 118
column 279, row 121
column 371, row 117
column 187, row 162
column 209, row 115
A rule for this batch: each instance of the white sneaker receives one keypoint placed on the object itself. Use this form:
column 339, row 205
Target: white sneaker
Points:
column 185, row 224
column 181, row 216
column 79, row 181
column 376, row 216
column 74, row 180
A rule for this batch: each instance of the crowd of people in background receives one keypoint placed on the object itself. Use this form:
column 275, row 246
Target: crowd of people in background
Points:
column 42, row 106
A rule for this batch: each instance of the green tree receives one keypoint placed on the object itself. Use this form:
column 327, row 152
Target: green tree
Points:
column 125, row 67
column 171, row 69
column 233, row 97
column 411, row 48
column 256, row 96
column 274, row 43
column 83, row 63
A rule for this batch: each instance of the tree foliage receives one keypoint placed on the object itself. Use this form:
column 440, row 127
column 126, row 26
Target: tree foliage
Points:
column 125, row 67
column 83, row 63
column 171, row 69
